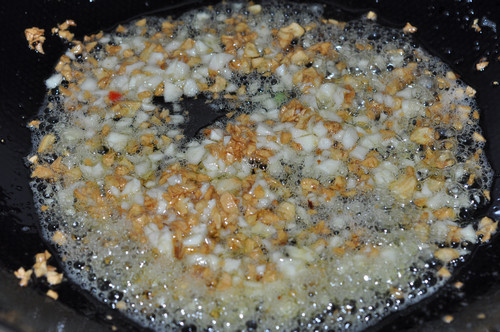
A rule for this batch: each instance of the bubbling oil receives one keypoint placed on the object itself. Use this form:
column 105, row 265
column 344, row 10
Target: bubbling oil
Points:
column 372, row 259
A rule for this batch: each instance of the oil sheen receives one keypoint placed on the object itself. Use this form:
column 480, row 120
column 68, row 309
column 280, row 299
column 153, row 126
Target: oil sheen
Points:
column 336, row 188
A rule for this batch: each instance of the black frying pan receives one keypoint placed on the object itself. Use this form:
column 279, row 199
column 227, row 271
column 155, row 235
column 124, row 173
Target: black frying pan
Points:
column 444, row 28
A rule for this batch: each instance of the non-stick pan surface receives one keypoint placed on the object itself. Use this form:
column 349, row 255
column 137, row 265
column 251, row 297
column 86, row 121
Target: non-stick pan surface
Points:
column 444, row 28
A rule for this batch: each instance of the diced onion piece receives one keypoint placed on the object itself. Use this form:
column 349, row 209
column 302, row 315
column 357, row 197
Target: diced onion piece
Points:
column 89, row 84
column 319, row 129
column 95, row 171
column 117, row 141
column 308, row 142
column 359, row 152
column 190, row 88
column 178, row 70
column 53, row 81
column 219, row 61
column 171, row 92
column 329, row 166
column 349, row 138
column 132, row 187
column 195, row 154
column 330, row 95
column 161, row 239
column 324, row 143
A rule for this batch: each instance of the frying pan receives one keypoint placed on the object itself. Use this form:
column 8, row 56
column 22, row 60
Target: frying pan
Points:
column 444, row 29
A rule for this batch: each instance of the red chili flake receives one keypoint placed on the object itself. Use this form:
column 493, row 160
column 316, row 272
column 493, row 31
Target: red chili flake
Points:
column 114, row 96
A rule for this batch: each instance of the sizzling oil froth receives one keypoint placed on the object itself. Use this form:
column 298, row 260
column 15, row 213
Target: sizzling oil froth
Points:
column 338, row 189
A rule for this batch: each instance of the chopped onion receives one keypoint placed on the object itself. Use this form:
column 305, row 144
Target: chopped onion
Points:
column 171, row 92
column 53, row 81
column 117, row 141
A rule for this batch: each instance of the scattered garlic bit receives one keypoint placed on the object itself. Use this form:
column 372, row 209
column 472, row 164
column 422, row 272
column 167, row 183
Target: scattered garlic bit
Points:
column 448, row 319
column 470, row 91
column 33, row 159
column 35, row 38
column 62, row 30
column 481, row 315
column 121, row 29
column 41, row 269
column 52, row 294
column 46, row 143
column 66, row 24
column 34, row 123
column 45, row 255
column 141, row 22
column 486, row 228
column 408, row 28
column 444, row 273
column 40, row 266
column 121, row 305
column 59, row 238
column 458, row 285
column 475, row 26
column 371, row 16
column 478, row 137
column 43, row 172
column 423, row 135
column 24, row 275
column 287, row 34
column 447, row 254
column 255, row 9
column 451, row 75
column 482, row 64
column 54, row 278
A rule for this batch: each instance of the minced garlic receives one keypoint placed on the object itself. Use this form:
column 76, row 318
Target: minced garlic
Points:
column 337, row 175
